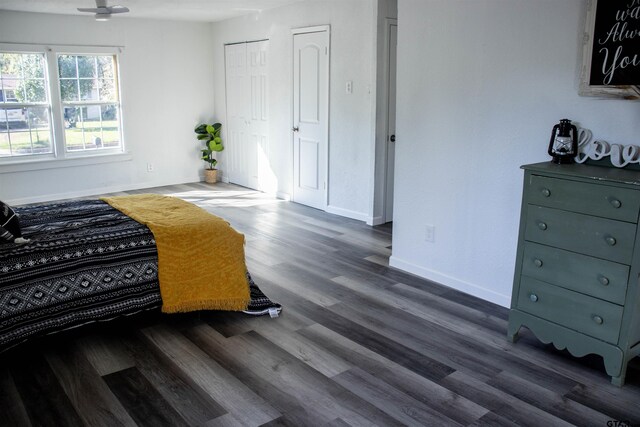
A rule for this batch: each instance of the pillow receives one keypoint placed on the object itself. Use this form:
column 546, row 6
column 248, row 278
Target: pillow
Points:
column 10, row 225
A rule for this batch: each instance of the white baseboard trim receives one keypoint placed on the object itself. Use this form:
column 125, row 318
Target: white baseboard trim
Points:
column 283, row 196
column 96, row 191
column 347, row 213
column 376, row 220
column 452, row 282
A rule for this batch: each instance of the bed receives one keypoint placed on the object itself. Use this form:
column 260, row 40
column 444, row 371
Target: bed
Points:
column 84, row 262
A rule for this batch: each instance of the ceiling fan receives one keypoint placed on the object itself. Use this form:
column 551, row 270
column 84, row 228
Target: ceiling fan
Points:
column 102, row 11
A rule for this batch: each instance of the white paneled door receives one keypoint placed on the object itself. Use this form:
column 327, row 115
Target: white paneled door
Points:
column 310, row 116
column 247, row 143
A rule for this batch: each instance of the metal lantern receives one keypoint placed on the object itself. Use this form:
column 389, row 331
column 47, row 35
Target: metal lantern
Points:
column 563, row 146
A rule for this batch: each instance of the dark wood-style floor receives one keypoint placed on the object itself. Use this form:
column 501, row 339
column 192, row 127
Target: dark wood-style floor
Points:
column 358, row 343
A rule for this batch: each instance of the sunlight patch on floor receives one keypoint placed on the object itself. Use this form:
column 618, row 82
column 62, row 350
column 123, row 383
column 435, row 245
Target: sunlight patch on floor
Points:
column 227, row 198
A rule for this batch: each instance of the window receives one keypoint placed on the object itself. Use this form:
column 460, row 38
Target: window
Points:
column 24, row 108
column 59, row 104
column 88, row 90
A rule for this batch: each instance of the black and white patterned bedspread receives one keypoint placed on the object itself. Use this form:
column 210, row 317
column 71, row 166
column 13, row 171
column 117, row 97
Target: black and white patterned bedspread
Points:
column 86, row 262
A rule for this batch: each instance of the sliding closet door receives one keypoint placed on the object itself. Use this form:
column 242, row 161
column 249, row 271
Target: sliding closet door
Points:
column 258, row 128
column 247, row 127
column 237, row 112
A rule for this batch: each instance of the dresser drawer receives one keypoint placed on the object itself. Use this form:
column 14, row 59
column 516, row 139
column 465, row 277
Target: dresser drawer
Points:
column 584, row 314
column 592, row 199
column 599, row 237
column 591, row 276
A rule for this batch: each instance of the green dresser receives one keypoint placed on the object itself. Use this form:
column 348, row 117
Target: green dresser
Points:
column 577, row 277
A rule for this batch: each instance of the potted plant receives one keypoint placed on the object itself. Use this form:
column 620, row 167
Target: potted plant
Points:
column 210, row 135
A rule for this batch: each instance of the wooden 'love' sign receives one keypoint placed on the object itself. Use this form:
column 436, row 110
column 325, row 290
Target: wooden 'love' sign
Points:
column 611, row 65
column 619, row 155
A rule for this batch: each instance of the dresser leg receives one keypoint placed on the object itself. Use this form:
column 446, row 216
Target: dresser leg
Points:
column 512, row 331
column 619, row 380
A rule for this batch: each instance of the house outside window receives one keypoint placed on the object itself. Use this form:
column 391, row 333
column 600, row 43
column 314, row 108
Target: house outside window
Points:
column 57, row 105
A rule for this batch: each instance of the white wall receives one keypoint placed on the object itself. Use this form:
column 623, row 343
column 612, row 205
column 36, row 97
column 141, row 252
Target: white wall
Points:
column 480, row 85
column 352, row 117
column 166, row 90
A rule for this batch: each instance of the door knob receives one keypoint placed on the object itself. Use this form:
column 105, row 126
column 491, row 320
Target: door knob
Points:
column 392, row 138
column 295, row 128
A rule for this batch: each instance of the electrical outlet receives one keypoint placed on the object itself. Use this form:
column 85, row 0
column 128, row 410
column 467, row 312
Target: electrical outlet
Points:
column 349, row 87
column 149, row 167
column 430, row 233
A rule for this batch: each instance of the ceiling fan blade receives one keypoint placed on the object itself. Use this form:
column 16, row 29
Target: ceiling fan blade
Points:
column 118, row 9
column 88, row 9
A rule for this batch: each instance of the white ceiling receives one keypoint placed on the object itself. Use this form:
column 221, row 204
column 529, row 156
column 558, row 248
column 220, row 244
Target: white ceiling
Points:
column 183, row 10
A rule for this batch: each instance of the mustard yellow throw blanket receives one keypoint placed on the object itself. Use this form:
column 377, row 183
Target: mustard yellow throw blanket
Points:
column 201, row 262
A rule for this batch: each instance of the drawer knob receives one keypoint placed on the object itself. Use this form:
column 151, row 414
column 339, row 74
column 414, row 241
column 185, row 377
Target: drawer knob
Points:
column 533, row 297
column 546, row 192
column 604, row 281
column 615, row 203
column 542, row 226
column 611, row 241
column 537, row 262
column 598, row 319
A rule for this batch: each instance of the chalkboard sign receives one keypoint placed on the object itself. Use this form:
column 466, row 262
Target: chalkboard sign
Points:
column 612, row 49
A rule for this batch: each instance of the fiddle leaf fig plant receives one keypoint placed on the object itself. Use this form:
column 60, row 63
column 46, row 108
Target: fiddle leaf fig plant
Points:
column 210, row 135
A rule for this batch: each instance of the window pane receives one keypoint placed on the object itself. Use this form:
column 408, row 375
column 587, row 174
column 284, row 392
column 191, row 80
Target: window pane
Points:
column 105, row 67
column 33, row 66
column 5, row 148
column 87, row 87
column 25, row 131
column 110, row 126
column 95, row 127
column 38, row 120
column 35, row 91
column 67, row 66
column 22, row 78
column 71, row 116
column 69, row 90
column 92, row 126
column 10, row 88
column 20, row 141
column 10, row 65
column 73, row 129
column 88, row 90
column 86, row 66
column 13, row 118
column 108, row 90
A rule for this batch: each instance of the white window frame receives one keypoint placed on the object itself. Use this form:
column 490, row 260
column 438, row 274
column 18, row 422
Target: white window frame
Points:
column 60, row 156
